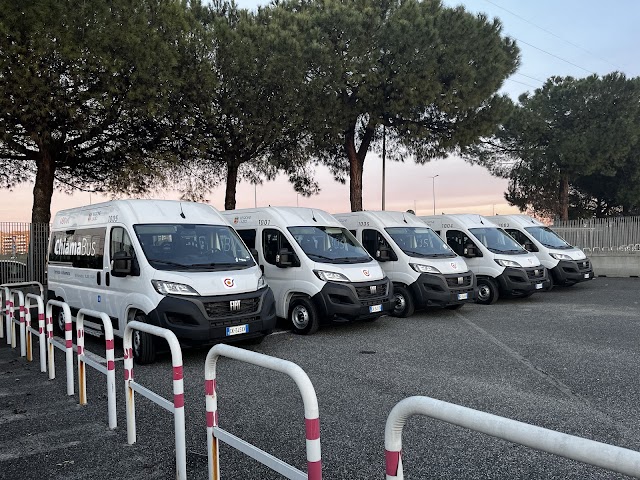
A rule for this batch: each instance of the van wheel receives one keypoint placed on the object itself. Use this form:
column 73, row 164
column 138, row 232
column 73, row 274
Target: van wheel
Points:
column 403, row 305
column 551, row 283
column 487, row 291
column 144, row 347
column 303, row 316
column 457, row 306
column 59, row 320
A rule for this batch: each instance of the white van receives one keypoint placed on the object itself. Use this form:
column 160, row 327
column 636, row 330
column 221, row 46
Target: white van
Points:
column 567, row 264
column 317, row 269
column 501, row 265
column 178, row 265
column 425, row 272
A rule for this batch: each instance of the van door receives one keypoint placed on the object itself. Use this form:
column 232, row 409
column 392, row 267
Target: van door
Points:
column 117, row 288
column 279, row 279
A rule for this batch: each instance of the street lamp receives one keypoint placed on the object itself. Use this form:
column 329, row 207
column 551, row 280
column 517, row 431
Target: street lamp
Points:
column 433, row 189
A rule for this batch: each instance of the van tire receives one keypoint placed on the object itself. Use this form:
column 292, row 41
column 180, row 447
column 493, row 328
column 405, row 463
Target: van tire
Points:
column 303, row 316
column 402, row 302
column 551, row 283
column 487, row 291
column 143, row 344
column 58, row 320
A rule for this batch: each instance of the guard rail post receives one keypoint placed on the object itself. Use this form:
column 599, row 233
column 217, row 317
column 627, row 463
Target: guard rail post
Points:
column 7, row 313
column 41, row 335
column 311, row 414
column 68, row 345
column 177, row 407
column 11, row 333
column 110, row 371
column 19, row 321
column 2, row 303
column 602, row 455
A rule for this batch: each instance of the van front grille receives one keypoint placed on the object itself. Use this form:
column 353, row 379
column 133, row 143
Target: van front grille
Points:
column 459, row 281
column 536, row 273
column 226, row 308
column 372, row 291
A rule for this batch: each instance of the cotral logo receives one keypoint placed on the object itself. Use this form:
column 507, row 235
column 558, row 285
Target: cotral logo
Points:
column 235, row 220
column 366, row 273
column 229, row 282
column 454, row 265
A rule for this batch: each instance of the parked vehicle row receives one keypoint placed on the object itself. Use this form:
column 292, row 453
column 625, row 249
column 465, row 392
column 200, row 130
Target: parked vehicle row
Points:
column 214, row 276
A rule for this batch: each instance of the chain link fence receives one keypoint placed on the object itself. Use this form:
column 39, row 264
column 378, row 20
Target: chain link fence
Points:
column 602, row 235
column 23, row 252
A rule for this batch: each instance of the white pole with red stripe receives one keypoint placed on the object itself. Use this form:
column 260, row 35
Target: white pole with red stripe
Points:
column 83, row 360
column 8, row 315
column 68, row 345
column 20, row 321
column 41, row 334
column 2, row 304
column 177, row 407
column 309, row 399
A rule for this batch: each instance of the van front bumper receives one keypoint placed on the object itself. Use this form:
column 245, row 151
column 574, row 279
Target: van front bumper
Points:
column 438, row 290
column 572, row 271
column 518, row 282
column 204, row 320
column 353, row 301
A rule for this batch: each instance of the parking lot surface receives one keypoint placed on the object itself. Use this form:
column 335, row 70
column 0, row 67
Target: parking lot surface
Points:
column 565, row 360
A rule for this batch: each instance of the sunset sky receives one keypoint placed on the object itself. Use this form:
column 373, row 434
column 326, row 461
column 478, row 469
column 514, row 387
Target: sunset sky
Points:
column 570, row 37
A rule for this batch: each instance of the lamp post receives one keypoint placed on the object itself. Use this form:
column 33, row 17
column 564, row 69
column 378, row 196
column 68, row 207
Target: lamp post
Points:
column 433, row 189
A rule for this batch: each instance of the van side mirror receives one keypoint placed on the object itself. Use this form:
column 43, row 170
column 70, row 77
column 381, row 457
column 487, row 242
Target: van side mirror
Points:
column 469, row 251
column 122, row 264
column 285, row 258
column 530, row 247
column 383, row 254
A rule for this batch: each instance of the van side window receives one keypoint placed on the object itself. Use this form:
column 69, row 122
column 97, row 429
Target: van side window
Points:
column 82, row 248
column 353, row 232
column 272, row 242
column 518, row 236
column 120, row 242
column 457, row 240
column 248, row 237
column 372, row 240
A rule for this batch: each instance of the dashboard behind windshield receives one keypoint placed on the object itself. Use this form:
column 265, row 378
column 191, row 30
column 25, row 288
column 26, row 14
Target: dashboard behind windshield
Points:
column 329, row 244
column 497, row 240
column 548, row 237
column 420, row 242
column 191, row 247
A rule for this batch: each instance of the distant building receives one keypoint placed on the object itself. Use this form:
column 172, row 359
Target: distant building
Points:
column 14, row 243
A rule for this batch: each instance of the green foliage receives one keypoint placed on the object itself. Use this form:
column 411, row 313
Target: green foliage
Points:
column 426, row 72
column 90, row 92
column 571, row 148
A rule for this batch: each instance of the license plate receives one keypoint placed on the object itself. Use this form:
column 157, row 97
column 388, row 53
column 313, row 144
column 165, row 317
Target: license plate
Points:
column 586, row 275
column 463, row 296
column 238, row 329
column 375, row 308
column 538, row 286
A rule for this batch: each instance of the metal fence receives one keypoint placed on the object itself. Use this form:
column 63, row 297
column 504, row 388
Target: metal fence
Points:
column 23, row 252
column 602, row 235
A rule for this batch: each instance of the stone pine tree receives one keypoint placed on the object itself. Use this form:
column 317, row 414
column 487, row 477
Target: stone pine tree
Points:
column 91, row 93
column 251, row 128
column 570, row 144
column 425, row 73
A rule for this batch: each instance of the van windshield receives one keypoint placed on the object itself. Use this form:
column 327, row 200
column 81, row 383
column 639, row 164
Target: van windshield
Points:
column 420, row 242
column 497, row 241
column 548, row 237
column 201, row 248
column 329, row 244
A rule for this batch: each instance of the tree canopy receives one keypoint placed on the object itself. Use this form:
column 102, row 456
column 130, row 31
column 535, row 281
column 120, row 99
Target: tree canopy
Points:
column 90, row 92
column 427, row 73
column 571, row 148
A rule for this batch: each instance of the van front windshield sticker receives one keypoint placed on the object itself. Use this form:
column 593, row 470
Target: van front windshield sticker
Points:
column 420, row 242
column 329, row 244
column 497, row 241
column 204, row 248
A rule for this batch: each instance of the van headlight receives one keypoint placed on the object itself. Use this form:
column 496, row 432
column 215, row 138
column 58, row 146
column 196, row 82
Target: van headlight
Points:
column 170, row 288
column 560, row 256
column 330, row 276
column 418, row 267
column 262, row 282
column 507, row 263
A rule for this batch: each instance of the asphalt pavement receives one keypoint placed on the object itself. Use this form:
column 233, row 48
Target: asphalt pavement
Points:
column 565, row 360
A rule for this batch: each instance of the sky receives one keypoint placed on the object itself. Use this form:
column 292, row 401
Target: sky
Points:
column 567, row 37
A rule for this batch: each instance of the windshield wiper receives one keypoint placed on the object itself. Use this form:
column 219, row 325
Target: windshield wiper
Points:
column 167, row 262
column 222, row 264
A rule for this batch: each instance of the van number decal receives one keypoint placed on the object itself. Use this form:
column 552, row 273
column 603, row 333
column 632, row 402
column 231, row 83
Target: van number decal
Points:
column 363, row 224
column 113, row 218
column 264, row 222
column 447, row 225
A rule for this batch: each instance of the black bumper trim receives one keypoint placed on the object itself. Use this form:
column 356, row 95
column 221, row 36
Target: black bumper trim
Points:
column 515, row 282
column 339, row 301
column 432, row 290
column 572, row 271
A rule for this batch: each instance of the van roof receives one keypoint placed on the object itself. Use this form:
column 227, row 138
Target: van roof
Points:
column 138, row 211
column 282, row 216
column 463, row 220
column 520, row 220
column 381, row 218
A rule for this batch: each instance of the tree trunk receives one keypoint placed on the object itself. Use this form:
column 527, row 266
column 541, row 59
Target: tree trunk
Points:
column 564, row 198
column 356, row 163
column 43, row 188
column 232, row 183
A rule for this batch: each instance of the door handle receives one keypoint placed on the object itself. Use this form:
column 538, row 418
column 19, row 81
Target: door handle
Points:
column 107, row 279
column 98, row 278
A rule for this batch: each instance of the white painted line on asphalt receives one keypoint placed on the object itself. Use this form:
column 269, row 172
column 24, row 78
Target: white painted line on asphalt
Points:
column 279, row 333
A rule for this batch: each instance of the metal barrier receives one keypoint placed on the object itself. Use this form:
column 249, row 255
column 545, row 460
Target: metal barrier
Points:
column 8, row 312
column 42, row 339
column 177, row 407
column 610, row 457
column 311, row 413
column 68, row 345
column 109, row 371
column 19, row 321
